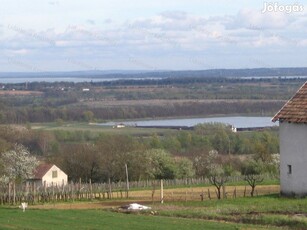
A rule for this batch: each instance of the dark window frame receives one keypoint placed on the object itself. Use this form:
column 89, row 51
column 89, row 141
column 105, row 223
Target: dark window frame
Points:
column 289, row 169
column 55, row 174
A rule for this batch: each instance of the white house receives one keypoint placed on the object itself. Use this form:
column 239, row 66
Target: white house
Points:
column 119, row 126
column 49, row 175
column 293, row 144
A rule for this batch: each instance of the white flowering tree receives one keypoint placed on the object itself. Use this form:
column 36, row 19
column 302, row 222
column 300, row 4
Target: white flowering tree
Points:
column 17, row 164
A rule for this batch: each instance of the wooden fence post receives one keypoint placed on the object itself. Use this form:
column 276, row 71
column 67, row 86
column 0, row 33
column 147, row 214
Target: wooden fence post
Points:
column 91, row 190
column 9, row 192
column 235, row 193
column 224, row 192
column 202, row 196
column 52, row 184
column 34, row 192
column 110, row 189
column 153, row 192
column 72, row 191
column 79, row 189
column 127, row 181
column 14, row 193
column 161, row 192
column 65, row 198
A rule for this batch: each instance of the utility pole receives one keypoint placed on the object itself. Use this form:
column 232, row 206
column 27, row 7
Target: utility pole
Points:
column 161, row 192
column 127, row 179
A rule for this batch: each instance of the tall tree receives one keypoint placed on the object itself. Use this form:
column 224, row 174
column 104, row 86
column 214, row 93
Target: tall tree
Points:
column 18, row 164
column 217, row 172
column 114, row 151
column 161, row 164
column 185, row 168
column 253, row 173
column 81, row 161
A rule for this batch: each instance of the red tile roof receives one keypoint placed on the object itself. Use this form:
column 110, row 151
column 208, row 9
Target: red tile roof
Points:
column 295, row 110
column 41, row 170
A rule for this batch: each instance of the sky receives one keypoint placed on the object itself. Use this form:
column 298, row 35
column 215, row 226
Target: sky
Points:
column 74, row 35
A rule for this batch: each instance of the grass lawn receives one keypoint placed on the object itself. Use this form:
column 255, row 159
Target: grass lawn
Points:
column 269, row 210
column 76, row 126
column 262, row 212
column 101, row 219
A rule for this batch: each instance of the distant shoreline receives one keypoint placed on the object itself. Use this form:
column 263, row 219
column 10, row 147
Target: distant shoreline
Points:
column 104, row 75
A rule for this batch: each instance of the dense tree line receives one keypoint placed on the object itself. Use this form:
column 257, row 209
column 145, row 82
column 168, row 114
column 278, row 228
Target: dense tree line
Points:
column 100, row 156
column 170, row 80
column 85, row 113
column 210, row 150
column 188, row 97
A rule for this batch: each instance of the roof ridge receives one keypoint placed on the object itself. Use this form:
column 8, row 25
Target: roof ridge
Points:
column 41, row 170
column 277, row 115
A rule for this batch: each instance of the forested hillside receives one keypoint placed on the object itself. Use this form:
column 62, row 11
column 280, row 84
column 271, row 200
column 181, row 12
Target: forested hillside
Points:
column 129, row 99
column 99, row 156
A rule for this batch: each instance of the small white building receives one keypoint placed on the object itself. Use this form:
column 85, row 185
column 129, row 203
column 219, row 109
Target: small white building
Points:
column 119, row 126
column 49, row 175
column 293, row 144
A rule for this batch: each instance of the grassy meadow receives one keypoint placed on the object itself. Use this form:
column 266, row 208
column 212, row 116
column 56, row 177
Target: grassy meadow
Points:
column 268, row 210
column 101, row 219
column 96, row 129
column 262, row 212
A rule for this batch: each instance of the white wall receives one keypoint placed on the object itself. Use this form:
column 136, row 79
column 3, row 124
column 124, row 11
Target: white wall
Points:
column 59, row 180
column 293, row 151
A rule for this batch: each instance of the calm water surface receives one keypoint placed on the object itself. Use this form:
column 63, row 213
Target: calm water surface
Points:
column 238, row 122
column 6, row 80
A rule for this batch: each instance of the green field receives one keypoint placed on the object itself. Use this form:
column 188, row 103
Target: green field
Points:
column 94, row 128
column 268, row 210
column 262, row 212
column 100, row 219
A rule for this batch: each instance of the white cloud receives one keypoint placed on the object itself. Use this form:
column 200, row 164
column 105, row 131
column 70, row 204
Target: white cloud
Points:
column 267, row 41
column 302, row 43
column 169, row 21
column 20, row 52
column 174, row 15
column 161, row 36
column 90, row 22
column 169, row 30
column 108, row 21
column 251, row 19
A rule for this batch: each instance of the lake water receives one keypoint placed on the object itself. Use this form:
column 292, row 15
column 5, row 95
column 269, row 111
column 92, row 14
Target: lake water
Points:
column 238, row 122
column 7, row 80
column 23, row 79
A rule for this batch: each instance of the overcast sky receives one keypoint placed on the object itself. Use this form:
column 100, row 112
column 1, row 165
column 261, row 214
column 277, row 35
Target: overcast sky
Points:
column 68, row 35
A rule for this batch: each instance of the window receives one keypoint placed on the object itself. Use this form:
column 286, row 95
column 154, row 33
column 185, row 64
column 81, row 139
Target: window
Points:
column 289, row 169
column 54, row 174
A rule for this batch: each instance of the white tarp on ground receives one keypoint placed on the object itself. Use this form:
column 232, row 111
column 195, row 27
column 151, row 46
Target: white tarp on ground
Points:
column 136, row 206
